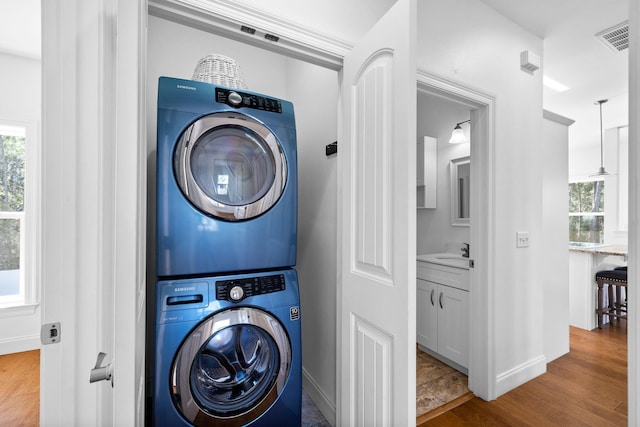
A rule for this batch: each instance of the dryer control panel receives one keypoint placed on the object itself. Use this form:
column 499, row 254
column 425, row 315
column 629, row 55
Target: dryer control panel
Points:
column 238, row 289
column 237, row 99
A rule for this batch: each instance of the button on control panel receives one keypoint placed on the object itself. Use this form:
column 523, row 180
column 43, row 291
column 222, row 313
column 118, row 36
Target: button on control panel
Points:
column 236, row 99
column 238, row 289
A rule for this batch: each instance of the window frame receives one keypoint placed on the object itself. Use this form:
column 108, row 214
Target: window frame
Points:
column 589, row 213
column 30, row 222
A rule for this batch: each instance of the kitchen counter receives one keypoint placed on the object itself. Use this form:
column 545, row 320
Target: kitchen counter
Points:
column 584, row 263
column 619, row 250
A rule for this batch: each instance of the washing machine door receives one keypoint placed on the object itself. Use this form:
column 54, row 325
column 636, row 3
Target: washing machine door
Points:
column 231, row 368
column 230, row 166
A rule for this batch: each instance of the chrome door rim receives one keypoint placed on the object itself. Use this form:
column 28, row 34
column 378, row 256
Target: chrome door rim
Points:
column 180, row 384
column 186, row 180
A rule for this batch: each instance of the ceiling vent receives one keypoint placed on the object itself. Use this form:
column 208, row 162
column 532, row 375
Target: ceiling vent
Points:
column 616, row 38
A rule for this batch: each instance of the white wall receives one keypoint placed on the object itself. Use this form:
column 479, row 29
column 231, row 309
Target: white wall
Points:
column 20, row 86
column 174, row 50
column 436, row 118
column 483, row 51
column 314, row 93
column 555, row 234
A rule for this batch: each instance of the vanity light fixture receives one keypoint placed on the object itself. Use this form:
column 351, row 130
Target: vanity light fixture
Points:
column 601, row 171
column 457, row 136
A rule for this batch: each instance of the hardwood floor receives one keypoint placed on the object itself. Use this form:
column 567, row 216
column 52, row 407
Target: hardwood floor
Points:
column 587, row 387
column 20, row 389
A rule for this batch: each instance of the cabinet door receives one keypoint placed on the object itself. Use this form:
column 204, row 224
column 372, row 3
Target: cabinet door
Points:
column 453, row 324
column 427, row 314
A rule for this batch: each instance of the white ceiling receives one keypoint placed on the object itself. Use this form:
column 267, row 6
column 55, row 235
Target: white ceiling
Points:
column 572, row 55
column 576, row 58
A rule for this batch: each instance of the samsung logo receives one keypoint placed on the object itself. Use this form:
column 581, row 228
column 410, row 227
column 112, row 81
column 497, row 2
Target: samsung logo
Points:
column 184, row 289
column 186, row 87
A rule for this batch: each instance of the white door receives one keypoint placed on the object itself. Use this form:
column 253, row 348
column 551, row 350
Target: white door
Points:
column 93, row 221
column 377, row 217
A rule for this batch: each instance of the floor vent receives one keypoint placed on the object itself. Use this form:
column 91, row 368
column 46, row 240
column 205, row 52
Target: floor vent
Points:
column 616, row 38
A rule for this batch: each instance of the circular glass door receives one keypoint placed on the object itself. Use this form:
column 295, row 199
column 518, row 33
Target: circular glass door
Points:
column 232, row 367
column 230, row 166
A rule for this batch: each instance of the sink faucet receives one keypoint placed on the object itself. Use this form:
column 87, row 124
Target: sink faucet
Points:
column 465, row 250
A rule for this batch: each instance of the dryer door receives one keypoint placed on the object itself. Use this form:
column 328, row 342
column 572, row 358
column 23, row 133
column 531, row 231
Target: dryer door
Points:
column 230, row 166
column 232, row 367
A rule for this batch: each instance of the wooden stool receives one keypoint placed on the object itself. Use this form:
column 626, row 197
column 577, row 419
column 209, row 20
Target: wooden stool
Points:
column 617, row 307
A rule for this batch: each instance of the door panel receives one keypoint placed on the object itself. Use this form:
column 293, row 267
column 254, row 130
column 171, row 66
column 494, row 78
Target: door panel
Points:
column 453, row 326
column 427, row 314
column 377, row 225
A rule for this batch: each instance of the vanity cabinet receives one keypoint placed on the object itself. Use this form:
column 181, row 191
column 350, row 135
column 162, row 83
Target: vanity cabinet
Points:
column 443, row 312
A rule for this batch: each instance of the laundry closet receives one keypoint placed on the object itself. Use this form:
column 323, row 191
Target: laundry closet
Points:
column 174, row 51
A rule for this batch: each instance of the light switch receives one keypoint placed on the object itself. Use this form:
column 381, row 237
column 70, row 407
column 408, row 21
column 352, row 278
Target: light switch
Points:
column 522, row 239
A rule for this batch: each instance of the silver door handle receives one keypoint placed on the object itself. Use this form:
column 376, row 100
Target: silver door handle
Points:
column 101, row 373
column 440, row 300
column 432, row 291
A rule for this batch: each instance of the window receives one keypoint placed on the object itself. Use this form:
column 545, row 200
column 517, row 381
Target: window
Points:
column 586, row 212
column 12, row 215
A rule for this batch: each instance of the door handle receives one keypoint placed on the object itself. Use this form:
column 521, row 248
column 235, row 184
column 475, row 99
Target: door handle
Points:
column 440, row 300
column 101, row 373
column 432, row 291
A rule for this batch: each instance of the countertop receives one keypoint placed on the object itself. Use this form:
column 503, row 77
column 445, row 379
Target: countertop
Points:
column 445, row 258
column 601, row 250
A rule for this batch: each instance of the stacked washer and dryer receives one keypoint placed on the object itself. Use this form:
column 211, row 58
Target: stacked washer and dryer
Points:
column 227, row 324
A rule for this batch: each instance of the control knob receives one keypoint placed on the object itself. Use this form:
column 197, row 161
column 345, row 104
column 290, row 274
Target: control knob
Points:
column 234, row 98
column 236, row 293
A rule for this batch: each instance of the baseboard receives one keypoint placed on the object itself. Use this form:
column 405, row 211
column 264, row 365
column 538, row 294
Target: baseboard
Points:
column 316, row 394
column 19, row 344
column 519, row 375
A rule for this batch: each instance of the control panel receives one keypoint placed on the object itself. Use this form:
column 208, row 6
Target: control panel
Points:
column 237, row 99
column 238, row 289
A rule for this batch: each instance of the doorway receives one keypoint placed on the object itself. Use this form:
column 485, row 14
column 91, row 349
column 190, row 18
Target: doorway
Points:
column 442, row 227
column 481, row 111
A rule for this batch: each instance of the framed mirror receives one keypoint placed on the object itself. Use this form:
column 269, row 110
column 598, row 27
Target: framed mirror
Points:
column 460, row 170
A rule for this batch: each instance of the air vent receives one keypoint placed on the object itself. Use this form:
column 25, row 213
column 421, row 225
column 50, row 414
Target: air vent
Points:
column 616, row 38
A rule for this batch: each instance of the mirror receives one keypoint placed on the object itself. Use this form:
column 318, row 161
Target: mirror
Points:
column 460, row 170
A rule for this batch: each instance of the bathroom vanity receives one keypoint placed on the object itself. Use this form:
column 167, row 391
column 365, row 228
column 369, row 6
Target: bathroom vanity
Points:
column 443, row 308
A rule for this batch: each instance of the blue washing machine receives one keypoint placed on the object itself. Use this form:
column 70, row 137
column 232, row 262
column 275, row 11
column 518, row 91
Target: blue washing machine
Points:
column 228, row 351
column 226, row 180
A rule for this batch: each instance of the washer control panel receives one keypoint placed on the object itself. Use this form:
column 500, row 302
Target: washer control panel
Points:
column 238, row 289
column 236, row 99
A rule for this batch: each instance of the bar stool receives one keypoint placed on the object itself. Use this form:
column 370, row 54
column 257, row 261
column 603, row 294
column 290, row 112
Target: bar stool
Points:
column 616, row 308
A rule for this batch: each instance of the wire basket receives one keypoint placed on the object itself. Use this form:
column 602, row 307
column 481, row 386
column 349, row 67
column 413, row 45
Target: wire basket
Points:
column 221, row 70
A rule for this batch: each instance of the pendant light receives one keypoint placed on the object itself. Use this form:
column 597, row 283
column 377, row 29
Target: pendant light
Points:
column 457, row 136
column 601, row 171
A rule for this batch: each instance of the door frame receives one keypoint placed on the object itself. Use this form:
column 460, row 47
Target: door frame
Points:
column 633, row 331
column 93, row 187
column 482, row 378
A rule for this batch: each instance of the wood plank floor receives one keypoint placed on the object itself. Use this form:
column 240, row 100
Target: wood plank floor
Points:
column 587, row 387
column 20, row 389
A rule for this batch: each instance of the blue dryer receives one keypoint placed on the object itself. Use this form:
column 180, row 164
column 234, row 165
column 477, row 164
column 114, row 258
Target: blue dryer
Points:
column 228, row 351
column 226, row 180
